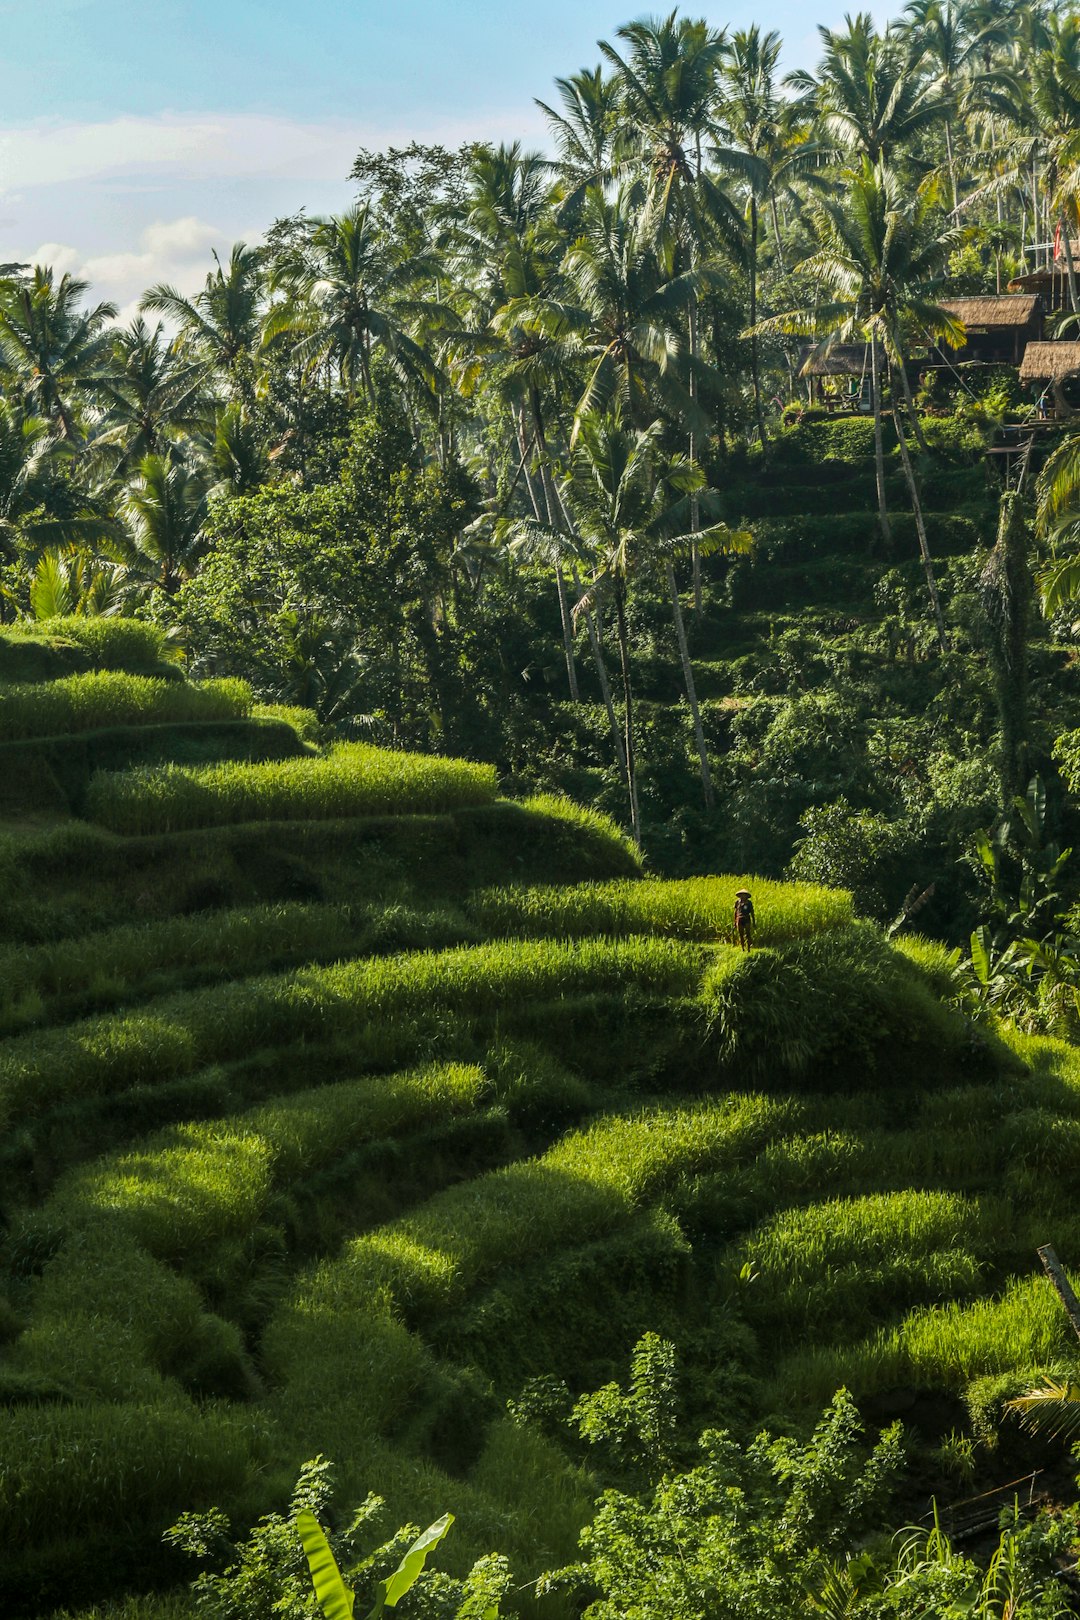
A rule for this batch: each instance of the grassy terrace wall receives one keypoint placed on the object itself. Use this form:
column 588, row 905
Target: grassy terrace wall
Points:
column 340, row 1097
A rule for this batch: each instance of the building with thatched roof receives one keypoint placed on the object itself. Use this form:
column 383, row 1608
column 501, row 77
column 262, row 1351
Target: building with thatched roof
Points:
column 1050, row 281
column 998, row 326
column 1050, row 362
column 842, row 360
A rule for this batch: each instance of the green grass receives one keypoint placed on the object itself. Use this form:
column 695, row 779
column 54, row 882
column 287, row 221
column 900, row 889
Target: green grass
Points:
column 830, row 1268
column 943, row 1347
column 354, row 780
column 107, row 698
column 191, row 1187
column 46, row 648
column 52, row 983
column 691, row 908
column 181, row 1033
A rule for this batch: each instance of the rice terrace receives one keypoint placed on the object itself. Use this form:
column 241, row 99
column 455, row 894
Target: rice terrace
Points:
column 540, row 855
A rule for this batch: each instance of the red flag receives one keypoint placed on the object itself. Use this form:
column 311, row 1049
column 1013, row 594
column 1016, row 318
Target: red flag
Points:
column 1057, row 242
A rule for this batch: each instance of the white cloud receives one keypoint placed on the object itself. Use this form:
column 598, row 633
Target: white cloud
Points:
column 176, row 251
column 224, row 145
column 130, row 201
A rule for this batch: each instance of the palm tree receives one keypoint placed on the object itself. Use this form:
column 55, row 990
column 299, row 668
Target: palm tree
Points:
column 57, row 350
column 878, row 265
column 151, row 396
column 584, row 134
column 221, row 324
column 620, row 316
column 772, row 133
column 872, row 95
column 624, row 498
column 163, row 510
column 344, row 293
column 941, row 33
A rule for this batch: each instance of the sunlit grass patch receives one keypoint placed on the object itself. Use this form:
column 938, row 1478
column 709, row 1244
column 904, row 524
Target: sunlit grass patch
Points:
column 177, row 1034
column 834, row 1266
column 196, row 1185
column 938, row 1347
column 355, row 779
column 688, row 908
column 95, row 969
column 111, row 698
column 98, row 641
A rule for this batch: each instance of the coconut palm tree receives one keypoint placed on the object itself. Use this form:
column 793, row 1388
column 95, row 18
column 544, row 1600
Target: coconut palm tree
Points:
column 584, row 134
column 162, row 512
column 221, row 325
column 872, row 93
column 876, row 269
column 57, row 350
column 151, row 396
column 343, row 294
column 624, row 498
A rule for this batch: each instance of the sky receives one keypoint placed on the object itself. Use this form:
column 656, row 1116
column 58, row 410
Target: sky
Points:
column 136, row 139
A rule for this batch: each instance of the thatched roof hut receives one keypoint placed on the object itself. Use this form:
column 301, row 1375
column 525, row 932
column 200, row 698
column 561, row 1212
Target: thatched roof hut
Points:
column 994, row 310
column 842, row 360
column 1050, row 362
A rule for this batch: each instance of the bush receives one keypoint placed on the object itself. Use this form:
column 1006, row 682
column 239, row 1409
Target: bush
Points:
column 109, row 698
column 354, row 780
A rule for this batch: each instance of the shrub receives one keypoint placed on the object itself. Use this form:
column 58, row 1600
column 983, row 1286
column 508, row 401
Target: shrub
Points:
column 354, row 780
column 110, row 698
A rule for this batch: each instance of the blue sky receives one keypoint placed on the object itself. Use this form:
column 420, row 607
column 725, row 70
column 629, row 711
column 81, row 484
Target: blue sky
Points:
column 136, row 138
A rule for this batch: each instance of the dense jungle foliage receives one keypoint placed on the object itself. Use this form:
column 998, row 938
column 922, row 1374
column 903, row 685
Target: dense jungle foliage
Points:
column 399, row 636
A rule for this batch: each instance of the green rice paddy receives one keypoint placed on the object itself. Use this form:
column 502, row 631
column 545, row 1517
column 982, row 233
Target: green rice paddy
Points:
column 340, row 1098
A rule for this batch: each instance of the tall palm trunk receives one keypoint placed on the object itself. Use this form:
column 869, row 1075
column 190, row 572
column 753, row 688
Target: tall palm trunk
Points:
column 596, row 647
column 695, row 555
column 542, row 514
column 924, row 544
column 691, row 686
column 913, row 414
column 628, row 706
column 879, row 446
column 755, row 369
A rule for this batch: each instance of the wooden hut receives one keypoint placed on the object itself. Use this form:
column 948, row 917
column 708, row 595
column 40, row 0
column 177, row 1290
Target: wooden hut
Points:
column 1050, row 281
column 842, row 376
column 998, row 326
column 1055, row 369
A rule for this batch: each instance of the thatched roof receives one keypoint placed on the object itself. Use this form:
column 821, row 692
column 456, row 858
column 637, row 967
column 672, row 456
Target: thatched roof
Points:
column 1049, row 362
column 1005, row 309
column 842, row 360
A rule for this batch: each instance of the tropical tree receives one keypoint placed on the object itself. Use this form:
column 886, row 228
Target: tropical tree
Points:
column 343, row 293
column 624, row 498
column 872, row 94
column 56, row 349
column 221, row 324
column 152, row 396
column 877, row 267
column 162, row 511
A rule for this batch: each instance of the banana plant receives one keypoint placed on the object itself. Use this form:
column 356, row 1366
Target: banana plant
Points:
column 336, row 1598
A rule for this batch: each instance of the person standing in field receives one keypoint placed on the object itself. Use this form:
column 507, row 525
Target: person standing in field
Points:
column 744, row 919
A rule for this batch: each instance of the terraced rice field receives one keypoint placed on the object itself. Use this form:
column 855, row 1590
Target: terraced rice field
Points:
column 340, row 1098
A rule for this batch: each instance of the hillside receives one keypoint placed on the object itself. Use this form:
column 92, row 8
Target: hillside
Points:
column 341, row 1098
